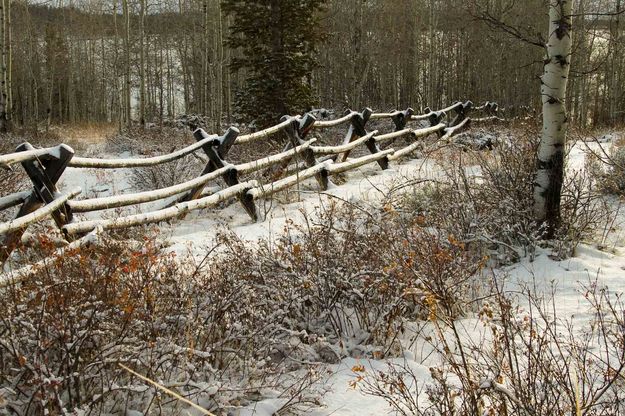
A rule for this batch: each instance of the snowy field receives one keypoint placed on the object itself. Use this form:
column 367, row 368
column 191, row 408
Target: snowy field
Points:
column 369, row 185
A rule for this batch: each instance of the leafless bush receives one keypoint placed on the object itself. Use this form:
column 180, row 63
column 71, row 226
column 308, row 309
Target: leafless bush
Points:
column 608, row 167
column 168, row 174
column 485, row 199
column 526, row 361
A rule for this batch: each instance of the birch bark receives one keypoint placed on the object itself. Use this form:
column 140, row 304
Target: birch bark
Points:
column 550, row 163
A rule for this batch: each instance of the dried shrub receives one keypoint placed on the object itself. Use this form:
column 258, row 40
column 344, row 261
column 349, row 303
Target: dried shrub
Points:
column 486, row 200
column 168, row 174
column 523, row 361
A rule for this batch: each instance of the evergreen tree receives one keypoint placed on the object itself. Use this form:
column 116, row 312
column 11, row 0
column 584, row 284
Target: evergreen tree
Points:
column 277, row 40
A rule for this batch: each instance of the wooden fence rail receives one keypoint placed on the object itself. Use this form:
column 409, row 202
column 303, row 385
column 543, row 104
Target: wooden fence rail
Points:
column 45, row 167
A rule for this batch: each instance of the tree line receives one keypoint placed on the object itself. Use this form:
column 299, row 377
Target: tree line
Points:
column 146, row 61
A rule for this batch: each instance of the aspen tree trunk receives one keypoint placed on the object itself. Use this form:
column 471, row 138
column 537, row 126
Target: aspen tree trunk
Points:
column 615, row 84
column 142, row 65
column 119, row 92
column 9, row 64
column 126, row 13
column 550, row 163
column 219, row 68
column 3, row 69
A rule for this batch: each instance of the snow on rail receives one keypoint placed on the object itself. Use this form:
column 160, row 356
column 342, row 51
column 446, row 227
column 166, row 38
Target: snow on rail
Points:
column 13, row 199
column 115, row 201
column 46, row 153
column 175, row 211
column 38, row 214
column 84, row 162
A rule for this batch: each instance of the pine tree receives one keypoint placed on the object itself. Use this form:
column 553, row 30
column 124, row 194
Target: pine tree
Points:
column 277, row 40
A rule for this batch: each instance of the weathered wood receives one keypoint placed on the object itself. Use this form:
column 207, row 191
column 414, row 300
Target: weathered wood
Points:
column 448, row 132
column 216, row 150
column 259, row 164
column 296, row 131
column 14, row 199
column 263, row 133
column 277, row 186
column 84, row 162
column 44, row 174
column 357, row 130
column 392, row 136
column 176, row 211
column 320, row 124
column 400, row 118
column 453, row 130
column 325, row 150
column 116, row 201
column 462, row 112
column 32, row 154
column 355, row 163
column 38, row 214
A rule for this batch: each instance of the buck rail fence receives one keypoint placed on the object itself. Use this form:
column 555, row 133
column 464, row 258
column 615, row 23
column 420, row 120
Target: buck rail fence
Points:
column 45, row 167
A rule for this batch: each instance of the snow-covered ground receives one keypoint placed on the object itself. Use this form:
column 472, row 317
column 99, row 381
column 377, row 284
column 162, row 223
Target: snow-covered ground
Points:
column 370, row 185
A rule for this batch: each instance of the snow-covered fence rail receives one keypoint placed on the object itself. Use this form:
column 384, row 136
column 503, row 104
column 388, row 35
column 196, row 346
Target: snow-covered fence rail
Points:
column 45, row 166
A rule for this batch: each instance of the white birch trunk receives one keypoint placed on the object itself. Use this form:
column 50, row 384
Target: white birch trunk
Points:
column 550, row 163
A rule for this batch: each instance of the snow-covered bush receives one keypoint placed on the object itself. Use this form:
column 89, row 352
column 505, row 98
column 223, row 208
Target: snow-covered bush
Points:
column 219, row 330
column 609, row 170
column 485, row 199
column 522, row 361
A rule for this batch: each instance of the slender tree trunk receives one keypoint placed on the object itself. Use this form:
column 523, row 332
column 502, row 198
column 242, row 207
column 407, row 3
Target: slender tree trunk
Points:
column 127, row 88
column 615, row 87
column 550, row 163
column 9, row 46
column 3, row 69
column 142, row 64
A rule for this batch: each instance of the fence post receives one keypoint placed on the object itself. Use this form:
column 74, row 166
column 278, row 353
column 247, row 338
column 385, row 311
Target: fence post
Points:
column 435, row 118
column 462, row 112
column 44, row 173
column 357, row 130
column 216, row 151
column 296, row 132
column 400, row 118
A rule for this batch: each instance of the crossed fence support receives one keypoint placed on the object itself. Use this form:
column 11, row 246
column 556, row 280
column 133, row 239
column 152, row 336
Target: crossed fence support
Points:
column 44, row 173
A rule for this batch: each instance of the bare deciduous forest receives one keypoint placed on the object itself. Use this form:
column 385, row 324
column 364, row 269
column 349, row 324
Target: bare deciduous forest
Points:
column 126, row 61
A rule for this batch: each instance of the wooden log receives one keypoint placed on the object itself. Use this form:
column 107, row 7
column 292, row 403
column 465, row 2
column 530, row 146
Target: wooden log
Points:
column 115, row 201
column 405, row 151
column 392, row 136
column 357, row 130
column 14, row 199
column 32, row 154
column 335, row 150
column 400, row 118
column 451, row 131
column 355, row 163
column 296, row 131
column 462, row 113
column 216, row 151
column 83, row 162
column 246, row 138
column 277, row 186
column 320, row 124
column 428, row 113
column 179, row 209
column 44, row 174
column 38, row 214
column 259, row 164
